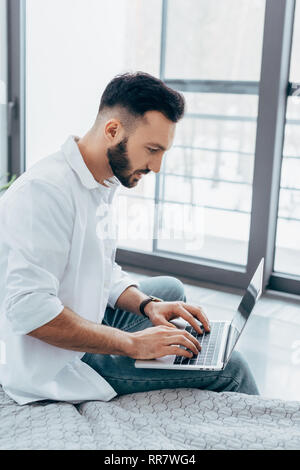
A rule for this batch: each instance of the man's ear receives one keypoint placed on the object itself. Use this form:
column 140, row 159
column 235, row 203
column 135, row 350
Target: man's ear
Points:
column 113, row 130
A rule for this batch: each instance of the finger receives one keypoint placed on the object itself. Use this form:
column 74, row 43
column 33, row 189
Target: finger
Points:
column 172, row 325
column 186, row 315
column 186, row 342
column 192, row 338
column 176, row 350
column 199, row 313
column 182, row 333
column 167, row 324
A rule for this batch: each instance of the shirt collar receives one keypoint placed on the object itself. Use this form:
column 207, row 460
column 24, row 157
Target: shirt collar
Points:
column 76, row 162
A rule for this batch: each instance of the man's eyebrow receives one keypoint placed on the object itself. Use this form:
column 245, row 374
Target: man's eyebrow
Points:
column 161, row 147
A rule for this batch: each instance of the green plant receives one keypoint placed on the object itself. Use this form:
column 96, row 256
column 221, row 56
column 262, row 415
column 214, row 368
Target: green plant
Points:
column 7, row 185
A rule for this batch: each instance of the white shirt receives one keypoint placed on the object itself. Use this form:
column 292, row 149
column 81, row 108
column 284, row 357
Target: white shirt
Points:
column 57, row 249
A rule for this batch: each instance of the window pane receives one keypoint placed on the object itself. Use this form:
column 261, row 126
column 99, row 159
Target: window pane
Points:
column 287, row 253
column 207, row 177
column 135, row 223
column 3, row 94
column 197, row 234
column 213, row 39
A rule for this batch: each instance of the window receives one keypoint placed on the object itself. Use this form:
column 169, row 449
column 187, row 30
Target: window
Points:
column 205, row 185
column 213, row 40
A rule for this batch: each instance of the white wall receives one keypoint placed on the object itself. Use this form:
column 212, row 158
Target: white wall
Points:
column 74, row 48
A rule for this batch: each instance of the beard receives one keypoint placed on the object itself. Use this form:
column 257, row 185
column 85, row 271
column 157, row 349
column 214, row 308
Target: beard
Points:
column 120, row 164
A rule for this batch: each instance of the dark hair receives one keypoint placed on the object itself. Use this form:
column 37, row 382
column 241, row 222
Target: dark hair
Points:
column 141, row 92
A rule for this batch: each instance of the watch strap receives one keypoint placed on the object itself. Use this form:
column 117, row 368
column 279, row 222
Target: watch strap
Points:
column 145, row 302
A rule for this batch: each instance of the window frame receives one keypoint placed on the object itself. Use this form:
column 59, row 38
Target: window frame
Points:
column 16, row 86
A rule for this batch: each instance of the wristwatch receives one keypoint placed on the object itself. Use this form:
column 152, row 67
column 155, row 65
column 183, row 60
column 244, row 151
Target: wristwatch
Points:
column 143, row 304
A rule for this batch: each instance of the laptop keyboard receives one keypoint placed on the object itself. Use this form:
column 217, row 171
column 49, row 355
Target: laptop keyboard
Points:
column 210, row 344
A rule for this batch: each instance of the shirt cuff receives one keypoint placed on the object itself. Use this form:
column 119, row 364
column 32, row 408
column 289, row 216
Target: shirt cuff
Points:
column 118, row 288
column 31, row 311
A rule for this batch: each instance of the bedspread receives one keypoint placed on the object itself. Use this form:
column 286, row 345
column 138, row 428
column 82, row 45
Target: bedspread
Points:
column 178, row 419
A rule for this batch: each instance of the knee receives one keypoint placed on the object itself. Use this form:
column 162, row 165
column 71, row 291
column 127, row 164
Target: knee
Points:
column 240, row 372
column 168, row 288
column 173, row 289
column 236, row 364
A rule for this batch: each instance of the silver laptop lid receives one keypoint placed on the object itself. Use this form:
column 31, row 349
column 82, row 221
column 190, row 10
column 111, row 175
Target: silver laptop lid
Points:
column 244, row 310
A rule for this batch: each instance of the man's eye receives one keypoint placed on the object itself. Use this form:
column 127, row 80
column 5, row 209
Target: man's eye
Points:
column 152, row 150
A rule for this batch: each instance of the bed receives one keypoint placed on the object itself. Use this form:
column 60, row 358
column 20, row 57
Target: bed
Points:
column 178, row 419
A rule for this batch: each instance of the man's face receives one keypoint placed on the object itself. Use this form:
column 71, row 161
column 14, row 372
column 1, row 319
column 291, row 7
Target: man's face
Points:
column 143, row 150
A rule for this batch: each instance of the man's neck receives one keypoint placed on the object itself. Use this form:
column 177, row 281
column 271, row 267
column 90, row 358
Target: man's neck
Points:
column 94, row 158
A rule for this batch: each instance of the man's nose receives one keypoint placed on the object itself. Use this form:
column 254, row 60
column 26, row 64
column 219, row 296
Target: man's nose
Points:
column 155, row 163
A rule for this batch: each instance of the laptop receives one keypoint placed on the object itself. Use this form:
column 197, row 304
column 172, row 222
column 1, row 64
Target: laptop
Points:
column 217, row 345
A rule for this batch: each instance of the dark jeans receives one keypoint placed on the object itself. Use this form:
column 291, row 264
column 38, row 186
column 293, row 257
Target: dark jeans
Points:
column 120, row 372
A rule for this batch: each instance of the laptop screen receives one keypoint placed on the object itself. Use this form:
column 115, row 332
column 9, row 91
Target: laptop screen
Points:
column 244, row 310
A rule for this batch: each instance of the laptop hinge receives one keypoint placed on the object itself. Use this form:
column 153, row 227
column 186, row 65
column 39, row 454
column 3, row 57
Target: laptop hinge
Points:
column 226, row 347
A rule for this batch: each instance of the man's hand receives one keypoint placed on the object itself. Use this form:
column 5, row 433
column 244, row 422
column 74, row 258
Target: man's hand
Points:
column 165, row 338
column 160, row 341
column 160, row 313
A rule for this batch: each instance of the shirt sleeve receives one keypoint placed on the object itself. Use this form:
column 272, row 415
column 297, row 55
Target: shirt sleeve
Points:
column 120, row 281
column 37, row 222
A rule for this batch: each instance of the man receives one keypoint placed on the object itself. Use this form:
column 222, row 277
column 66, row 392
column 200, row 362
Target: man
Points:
column 70, row 318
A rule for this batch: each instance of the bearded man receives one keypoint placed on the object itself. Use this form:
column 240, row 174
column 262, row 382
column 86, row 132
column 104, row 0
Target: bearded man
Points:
column 71, row 320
